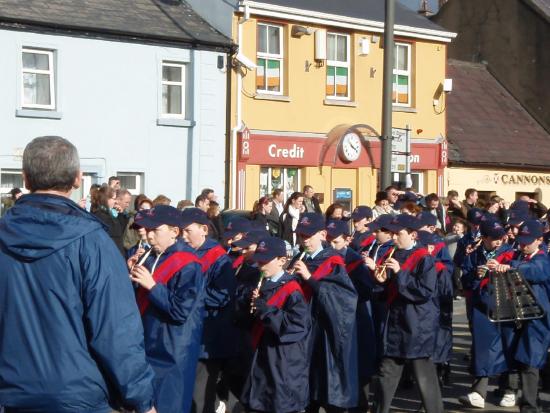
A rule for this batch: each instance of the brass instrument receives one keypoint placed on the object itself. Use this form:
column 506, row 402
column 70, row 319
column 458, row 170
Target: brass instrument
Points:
column 380, row 271
column 474, row 245
column 512, row 298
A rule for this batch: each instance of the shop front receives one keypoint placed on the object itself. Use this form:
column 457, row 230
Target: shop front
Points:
column 508, row 184
column 343, row 169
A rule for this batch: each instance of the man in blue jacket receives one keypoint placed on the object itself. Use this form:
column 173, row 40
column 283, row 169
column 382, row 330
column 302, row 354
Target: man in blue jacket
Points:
column 71, row 337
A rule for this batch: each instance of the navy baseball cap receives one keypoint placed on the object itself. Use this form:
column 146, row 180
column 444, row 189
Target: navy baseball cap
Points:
column 529, row 231
column 361, row 212
column 381, row 222
column 517, row 215
column 492, row 229
column 428, row 238
column 475, row 216
column 336, row 227
column 252, row 237
column 426, row 218
column 193, row 216
column 403, row 221
column 236, row 226
column 269, row 248
column 157, row 216
column 520, row 205
column 310, row 223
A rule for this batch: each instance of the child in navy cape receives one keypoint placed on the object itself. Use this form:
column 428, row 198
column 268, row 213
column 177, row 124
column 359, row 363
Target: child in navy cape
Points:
column 333, row 302
column 170, row 298
column 533, row 339
column 219, row 339
column 278, row 379
column 363, row 235
column 339, row 237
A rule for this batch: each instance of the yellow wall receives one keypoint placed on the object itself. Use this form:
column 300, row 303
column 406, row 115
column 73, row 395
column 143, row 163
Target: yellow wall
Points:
column 499, row 181
column 306, row 111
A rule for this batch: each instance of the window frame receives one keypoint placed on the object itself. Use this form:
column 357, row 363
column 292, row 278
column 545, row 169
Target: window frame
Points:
column 269, row 56
column 408, row 73
column 140, row 179
column 337, row 63
column 284, row 179
column 51, row 73
column 182, row 83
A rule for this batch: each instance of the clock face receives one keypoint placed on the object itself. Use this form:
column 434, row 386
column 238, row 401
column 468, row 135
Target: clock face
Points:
column 350, row 149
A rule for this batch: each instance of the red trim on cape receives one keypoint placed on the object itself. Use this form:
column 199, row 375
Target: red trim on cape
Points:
column 163, row 274
column 277, row 300
column 410, row 264
column 210, row 257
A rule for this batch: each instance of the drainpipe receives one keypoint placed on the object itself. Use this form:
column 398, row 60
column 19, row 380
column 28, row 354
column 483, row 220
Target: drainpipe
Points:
column 239, row 121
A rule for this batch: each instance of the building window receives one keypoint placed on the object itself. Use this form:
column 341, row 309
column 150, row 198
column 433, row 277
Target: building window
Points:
column 38, row 85
column 338, row 66
column 402, row 74
column 417, row 178
column 287, row 179
column 269, row 71
column 173, row 90
column 132, row 181
column 9, row 179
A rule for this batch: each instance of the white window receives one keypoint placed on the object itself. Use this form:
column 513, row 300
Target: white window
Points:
column 338, row 66
column 402, row 74
column 9, row 179
column 417, row 179
column 173, row 90
column 132, row 181
column 269, row 59
column 287, row 179
column 38, row 79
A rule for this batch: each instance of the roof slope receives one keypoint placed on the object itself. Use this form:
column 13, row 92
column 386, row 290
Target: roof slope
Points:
column 487, row 126
column 169, row 20
column 361, row 9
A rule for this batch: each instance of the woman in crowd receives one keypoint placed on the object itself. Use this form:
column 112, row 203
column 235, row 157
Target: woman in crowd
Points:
column 261, row 211
column 291, row 214
column 336, row 212
column 382, row 205
column 103, row 207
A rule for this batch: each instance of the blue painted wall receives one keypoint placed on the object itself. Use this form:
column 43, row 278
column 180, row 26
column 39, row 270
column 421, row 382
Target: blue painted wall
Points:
column 108, row 95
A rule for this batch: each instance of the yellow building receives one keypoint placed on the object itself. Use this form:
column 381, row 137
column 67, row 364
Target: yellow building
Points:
column 306, row 99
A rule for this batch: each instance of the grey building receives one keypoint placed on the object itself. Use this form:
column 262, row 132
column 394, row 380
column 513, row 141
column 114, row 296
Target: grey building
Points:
column 139, row 86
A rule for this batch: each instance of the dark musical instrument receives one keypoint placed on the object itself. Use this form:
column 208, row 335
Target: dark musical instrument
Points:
column 512, row 298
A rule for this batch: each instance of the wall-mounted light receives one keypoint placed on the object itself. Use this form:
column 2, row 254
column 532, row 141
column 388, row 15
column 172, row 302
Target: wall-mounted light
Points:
column 320, row 45
column 447, row 85
column 299, row 31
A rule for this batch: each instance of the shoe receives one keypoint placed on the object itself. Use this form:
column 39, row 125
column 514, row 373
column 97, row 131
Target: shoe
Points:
column 472, row 399
column 221, row 407
column 508, row 400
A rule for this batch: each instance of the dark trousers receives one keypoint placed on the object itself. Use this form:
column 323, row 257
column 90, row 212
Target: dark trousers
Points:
column 314, row 407
column 507, row 383
column 206, row 386
column 426, row 379
column 529, row 389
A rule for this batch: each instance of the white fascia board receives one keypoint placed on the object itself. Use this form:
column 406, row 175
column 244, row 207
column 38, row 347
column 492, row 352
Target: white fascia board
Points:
column 324, row 19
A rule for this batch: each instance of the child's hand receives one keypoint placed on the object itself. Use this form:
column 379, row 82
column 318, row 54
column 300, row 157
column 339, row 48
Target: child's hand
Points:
column 368, row 261
column 143, row 277
column 301, row 268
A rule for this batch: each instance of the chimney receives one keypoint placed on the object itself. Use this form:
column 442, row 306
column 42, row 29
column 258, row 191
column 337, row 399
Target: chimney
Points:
column 424, row 9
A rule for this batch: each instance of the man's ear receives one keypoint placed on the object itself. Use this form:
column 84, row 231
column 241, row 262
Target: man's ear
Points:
column 77, row 180
column 26, row 181
column 323, row 234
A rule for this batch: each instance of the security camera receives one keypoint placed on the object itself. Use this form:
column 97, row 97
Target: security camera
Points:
column 245, row 61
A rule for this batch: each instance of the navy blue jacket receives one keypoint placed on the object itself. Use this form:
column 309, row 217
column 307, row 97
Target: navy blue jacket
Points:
column 219, row 339
column 173, row 329
column 278, row 380
column 333, row 374
column 413, row 316
column 444, row 301
column 378, row 298
column 366, row 335
column 491, row 342
column 358, row 238
column 71, row 338
column 534, row 337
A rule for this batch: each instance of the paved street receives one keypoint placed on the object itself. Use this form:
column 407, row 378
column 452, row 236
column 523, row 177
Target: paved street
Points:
column 408, row 401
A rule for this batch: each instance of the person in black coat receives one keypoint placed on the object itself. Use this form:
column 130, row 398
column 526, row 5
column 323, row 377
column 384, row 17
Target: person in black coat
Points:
column 103, row 207
column 274, row 216
column 261, row 213
column 310, row 201
column 278, row 380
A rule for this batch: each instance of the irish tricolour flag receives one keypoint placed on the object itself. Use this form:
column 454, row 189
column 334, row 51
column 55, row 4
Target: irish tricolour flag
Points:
column 268, row 75
column 337, row 81
column 400, row 89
